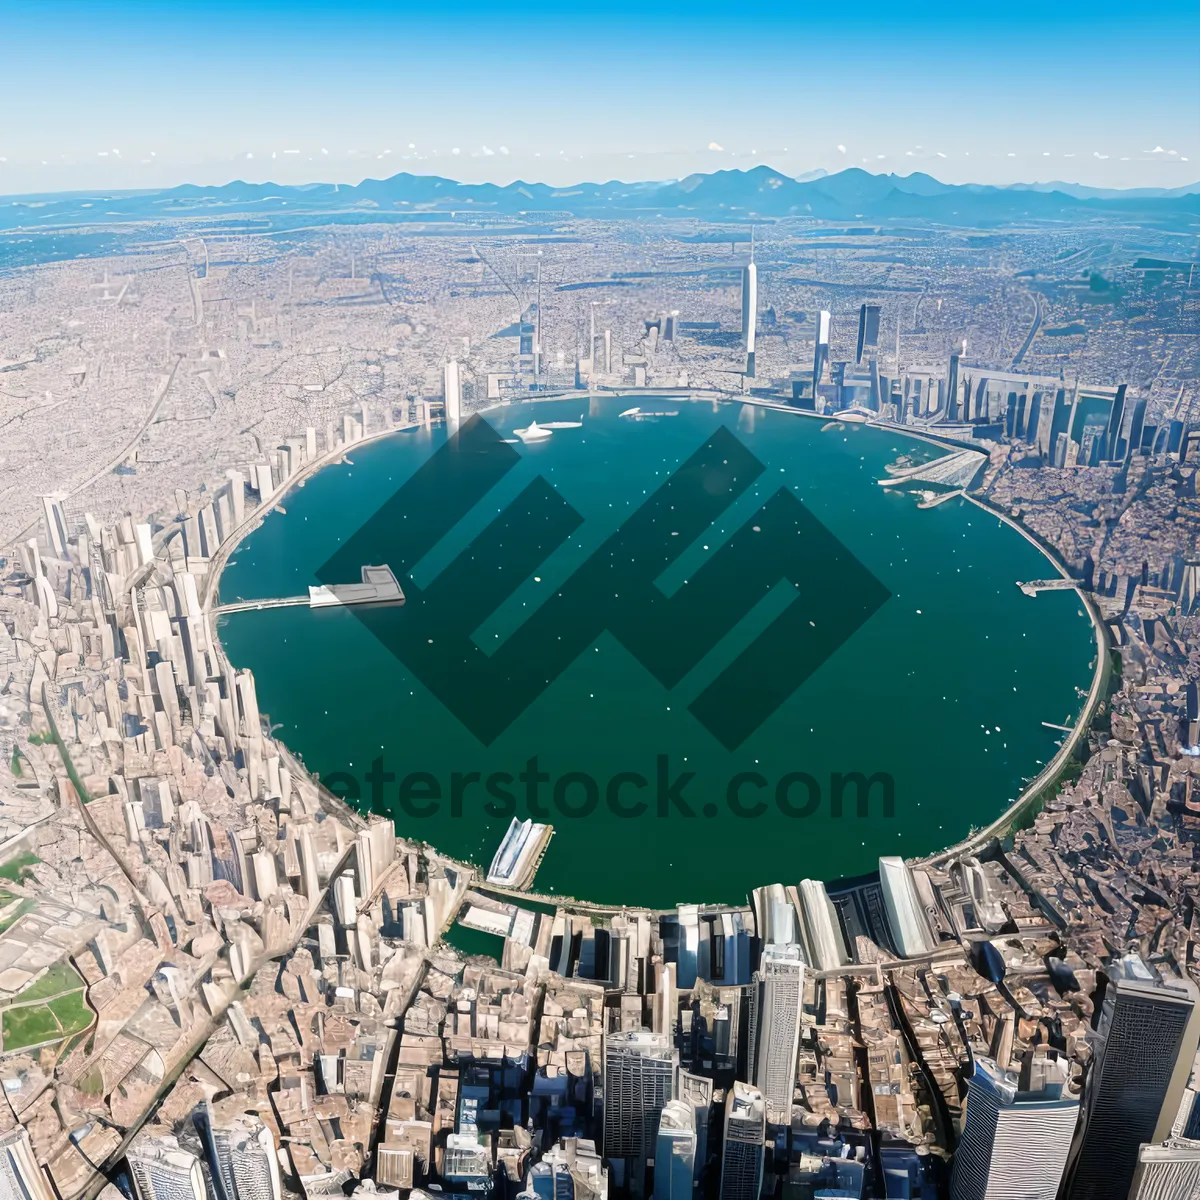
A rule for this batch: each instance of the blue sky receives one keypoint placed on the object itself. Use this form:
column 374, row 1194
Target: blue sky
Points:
column 101, row 94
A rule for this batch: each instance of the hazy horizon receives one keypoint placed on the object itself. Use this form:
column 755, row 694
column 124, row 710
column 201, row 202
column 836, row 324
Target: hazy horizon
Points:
column 137, row 94
column 267, row 179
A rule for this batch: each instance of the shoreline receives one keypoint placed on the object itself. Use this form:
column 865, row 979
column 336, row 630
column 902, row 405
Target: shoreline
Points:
column 970, row 844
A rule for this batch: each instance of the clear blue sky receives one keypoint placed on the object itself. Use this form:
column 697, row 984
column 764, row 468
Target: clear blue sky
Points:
column 105, row 94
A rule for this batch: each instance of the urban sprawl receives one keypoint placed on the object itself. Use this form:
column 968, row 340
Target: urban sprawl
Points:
column 216, row 979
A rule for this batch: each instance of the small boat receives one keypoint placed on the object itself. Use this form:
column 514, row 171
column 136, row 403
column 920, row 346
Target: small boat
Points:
column 534, row 433
column 639, row 414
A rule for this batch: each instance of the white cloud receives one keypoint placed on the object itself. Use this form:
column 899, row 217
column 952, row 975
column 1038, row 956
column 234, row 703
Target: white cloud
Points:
column 1097, row 154
column 940, row 154
column 102, row 153
column 324, row 151
column 908, row 154
column 1045, row 153
column 1012, row 154
column 504, row 150
column 841, row 149
column 715, row 146
column 488, row 153
column 456, row 150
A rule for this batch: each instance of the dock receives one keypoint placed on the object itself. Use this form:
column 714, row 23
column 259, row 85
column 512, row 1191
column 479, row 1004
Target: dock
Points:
column 520, row 854
column 1060, row 584
column 379, row 586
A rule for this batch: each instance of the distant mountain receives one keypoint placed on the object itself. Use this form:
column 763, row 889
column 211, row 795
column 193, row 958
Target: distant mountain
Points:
column 1082, row 192
column 758, row 194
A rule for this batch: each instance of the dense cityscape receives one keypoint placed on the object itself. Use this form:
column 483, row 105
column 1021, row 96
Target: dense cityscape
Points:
column 217, row 979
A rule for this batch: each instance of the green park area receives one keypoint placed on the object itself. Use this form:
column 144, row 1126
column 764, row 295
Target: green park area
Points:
column 61, row 1012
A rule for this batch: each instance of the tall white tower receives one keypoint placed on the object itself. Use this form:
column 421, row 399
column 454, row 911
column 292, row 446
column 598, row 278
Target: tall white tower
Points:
column 750, row 307
column 453, row 392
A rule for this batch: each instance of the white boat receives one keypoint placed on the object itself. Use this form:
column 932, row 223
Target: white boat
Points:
column 638, row 414
column 534, row 433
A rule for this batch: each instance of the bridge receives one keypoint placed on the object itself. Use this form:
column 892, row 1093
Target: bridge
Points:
column 253, row 605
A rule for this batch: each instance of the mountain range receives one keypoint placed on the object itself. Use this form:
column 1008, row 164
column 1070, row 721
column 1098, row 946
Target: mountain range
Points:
column 733, row 195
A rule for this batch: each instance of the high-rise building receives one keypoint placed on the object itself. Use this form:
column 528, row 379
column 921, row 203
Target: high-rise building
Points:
column 868, row 331
column 697, row 1091
column 951, row 405
column 639, row 1079
column 571, row 1170
column 453, row 392
column 675, row 1152
column 1017, row 1134
column 1116, row 419
column 241, row 1156
column 163, row 1170
column 745, row 1140
column 1170, row 1171
column 776, row 1000
column 1147, row 1038
column 906, row 916
column 20, row 1176
column 823, row 940
column 750, row 309
column 820, row 352
column 1137, row 427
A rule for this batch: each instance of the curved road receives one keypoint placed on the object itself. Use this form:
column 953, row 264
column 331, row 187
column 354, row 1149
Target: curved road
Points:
column 1037, row 324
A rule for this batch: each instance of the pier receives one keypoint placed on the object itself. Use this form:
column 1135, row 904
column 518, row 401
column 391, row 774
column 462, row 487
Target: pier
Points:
column 1061, row 584
column 379, row 586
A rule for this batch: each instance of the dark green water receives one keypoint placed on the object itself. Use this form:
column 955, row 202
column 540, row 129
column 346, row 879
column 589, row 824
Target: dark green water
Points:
column 944, row 688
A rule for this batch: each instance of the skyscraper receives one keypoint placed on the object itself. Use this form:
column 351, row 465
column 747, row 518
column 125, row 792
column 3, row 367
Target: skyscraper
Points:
column 1167, row 1172
column 1116, row 417
column 20, row 1176
column 571, row 1170
column 1148, row 1033
column 906, row 916
column 675, row 1152
column 823, row 940
column 639, row 1079
column 697, row 1092
column 453, row 392
column 241, row 1156
column 776, row 998
column 951, row 406
column 1137, row 426
column 1017, row 1133
column 163, row 1170
column 745, row 1138
column 820, row 352
column 750, row 307
column 868, row 331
